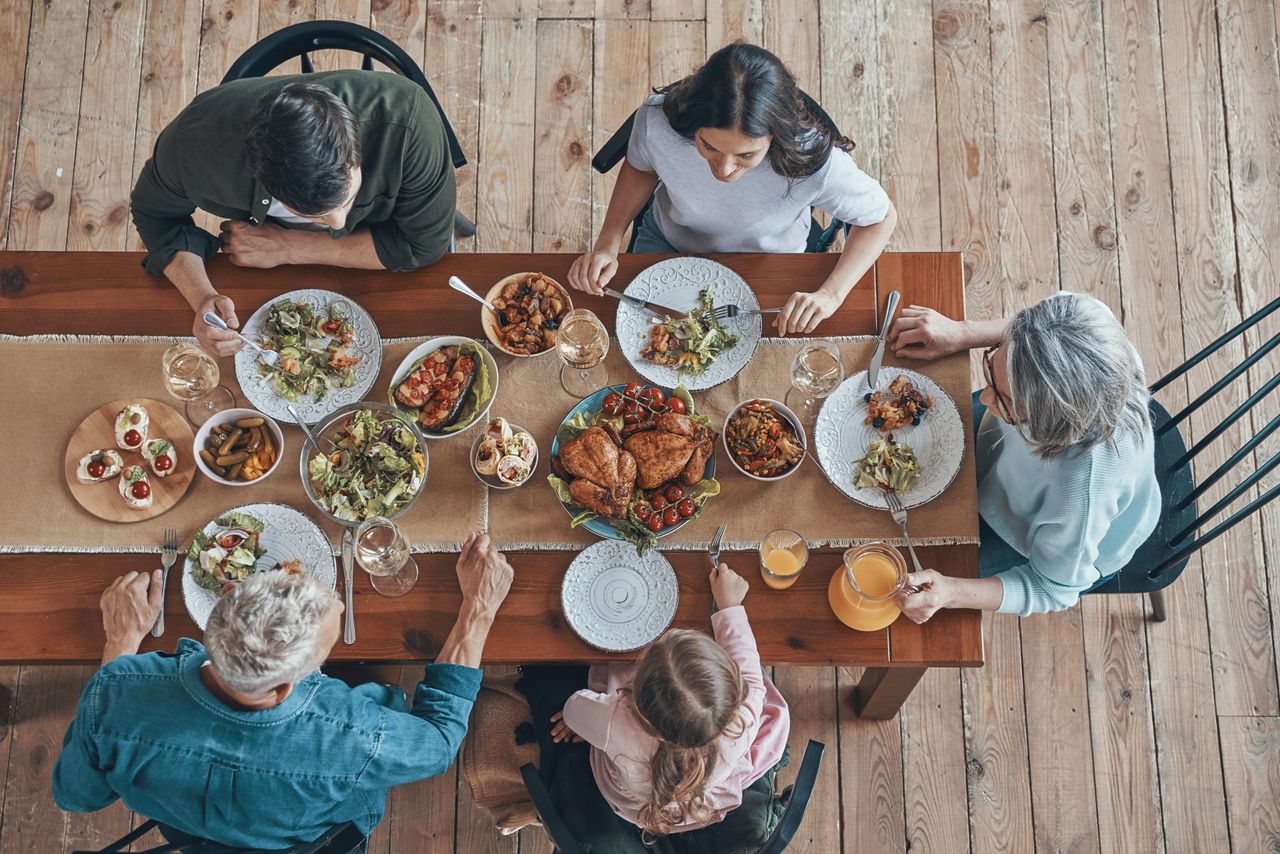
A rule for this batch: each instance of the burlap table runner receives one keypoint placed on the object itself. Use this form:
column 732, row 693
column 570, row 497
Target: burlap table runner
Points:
column 47, row 387
column 530, row 517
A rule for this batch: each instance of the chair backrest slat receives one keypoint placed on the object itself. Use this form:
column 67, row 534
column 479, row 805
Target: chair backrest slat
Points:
column 1221, row 528
column 1217, row 344
column 1255, row 357
column 801, row 791
column 1230, row 463
column 1236, row 491
column 1239, row 412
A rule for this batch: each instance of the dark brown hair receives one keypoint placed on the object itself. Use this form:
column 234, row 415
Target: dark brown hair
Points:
column 745, row 88
column 302, row 144
column 686, row 692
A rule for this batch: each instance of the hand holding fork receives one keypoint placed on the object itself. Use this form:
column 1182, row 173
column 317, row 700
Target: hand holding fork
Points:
column 899, row 514
column 168, row 557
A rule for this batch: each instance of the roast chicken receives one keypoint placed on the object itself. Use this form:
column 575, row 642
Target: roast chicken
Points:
column 603, row 475
column 674, row 447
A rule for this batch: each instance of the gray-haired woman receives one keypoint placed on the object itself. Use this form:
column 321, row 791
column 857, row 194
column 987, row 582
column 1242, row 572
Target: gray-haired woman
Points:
column 1066, row 473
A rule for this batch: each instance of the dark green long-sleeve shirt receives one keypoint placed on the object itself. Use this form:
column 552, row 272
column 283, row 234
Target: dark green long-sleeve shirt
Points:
column 407, row 197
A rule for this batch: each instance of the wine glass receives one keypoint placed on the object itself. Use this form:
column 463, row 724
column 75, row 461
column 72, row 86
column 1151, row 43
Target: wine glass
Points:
column 192, row 375
column 815, row 373
column 582, row 343
column 383, row 552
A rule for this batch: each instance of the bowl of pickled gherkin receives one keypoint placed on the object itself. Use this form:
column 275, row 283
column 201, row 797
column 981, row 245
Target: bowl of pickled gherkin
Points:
column 238, row 447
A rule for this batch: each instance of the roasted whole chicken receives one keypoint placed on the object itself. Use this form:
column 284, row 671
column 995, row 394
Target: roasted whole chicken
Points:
column 670, row 447
column 601, row 475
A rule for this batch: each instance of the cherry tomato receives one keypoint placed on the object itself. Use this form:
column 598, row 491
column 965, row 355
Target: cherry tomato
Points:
column 674, row 492
column 140, row 490
column 686, row 508
column 655, row 522
column 632, row 390
column 652, row 397
column 164, row 463
column 612, row 403
column 630, row 417
column 676, row 405
column 642, row 512
column 659, row 502
column 96, row 468
column 230, row 541
column 132, row 438
column 670, row 516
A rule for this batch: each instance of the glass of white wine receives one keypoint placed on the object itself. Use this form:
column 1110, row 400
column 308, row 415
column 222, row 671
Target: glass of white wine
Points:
column 582, row 343
column 383, row 552
column 815, row 373
column 191, row 375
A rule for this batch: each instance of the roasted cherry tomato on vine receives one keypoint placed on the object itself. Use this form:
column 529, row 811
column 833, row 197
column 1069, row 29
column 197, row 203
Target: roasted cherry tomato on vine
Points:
column 630, row 416
column 652, row 397
column 655, row 523
column 642, row 512
column 671, row 515
column 676, row 405
column 686, row 508
column 612, row 404
column 659, row 502
column 674, row 493
column 140, row 490
column 632, row 390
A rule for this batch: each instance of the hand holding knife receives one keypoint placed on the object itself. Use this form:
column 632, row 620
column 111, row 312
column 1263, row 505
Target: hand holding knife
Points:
column 890, row 309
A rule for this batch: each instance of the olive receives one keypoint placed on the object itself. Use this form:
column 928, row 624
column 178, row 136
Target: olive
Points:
column 867, row 397
column 915, row 422
column 551, row 323
column 524, row 291
column 879, row 422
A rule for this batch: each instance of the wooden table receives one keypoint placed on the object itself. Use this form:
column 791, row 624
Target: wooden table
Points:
column 49, row 610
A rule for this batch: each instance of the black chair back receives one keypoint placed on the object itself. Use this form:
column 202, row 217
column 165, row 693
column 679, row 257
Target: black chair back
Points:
column 1161, row 559
column 343, row 839
column 796, row 799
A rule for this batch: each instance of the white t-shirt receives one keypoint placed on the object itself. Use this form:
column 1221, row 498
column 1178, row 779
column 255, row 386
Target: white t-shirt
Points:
column 280, row 212
column 756, row 213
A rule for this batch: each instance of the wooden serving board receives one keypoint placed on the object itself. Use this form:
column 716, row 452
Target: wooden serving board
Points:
column 97, row 432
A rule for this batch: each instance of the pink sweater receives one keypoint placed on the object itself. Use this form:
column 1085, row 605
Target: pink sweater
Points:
column 621, row 749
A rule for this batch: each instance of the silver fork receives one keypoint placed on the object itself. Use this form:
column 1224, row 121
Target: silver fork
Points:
column 899, row 514
column 268, row 357
column 713, row 551
column 729, row 312
column 168, row 557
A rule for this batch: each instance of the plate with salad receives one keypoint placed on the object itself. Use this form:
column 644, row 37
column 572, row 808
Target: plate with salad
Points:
column 690, row 347
column 374, row 463
column 330, row 354
column 634, row 462
column 249, row 539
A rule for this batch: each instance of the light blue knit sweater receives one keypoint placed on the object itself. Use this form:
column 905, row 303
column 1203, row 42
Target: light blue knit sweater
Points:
column 1076, row 518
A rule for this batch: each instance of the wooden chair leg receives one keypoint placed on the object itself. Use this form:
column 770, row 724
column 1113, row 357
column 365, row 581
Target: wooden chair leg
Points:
column 1158, row 612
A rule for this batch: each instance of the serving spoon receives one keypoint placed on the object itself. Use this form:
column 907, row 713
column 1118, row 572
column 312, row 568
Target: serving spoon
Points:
column 462, row 288
column 306, row 431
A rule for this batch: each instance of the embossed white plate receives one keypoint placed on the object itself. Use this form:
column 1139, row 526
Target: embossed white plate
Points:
column 286, row 535
column 676, row 283
column 616, row 601
column 841, row 439
column 365, row 342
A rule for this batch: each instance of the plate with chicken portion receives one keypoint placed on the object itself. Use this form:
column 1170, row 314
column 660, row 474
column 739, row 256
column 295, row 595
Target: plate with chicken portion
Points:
column 634, row 462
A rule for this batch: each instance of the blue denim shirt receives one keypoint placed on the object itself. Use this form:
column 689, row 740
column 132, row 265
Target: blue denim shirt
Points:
column 149, row 732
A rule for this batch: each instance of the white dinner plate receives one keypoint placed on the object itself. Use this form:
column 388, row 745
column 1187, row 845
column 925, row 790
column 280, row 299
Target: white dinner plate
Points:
column 616, row 601
column 676, row 283
column 286, row 535
column 841, row 439
column 365, row 343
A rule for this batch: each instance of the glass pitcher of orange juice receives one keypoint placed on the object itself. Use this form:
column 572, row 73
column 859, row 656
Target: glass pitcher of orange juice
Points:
column 863, row 592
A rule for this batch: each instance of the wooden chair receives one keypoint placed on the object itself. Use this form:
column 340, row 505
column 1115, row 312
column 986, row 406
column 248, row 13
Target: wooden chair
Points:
column 820, row 237
column 299, row 40
column 795, row 797
column 1161, row 559
column 343, row 839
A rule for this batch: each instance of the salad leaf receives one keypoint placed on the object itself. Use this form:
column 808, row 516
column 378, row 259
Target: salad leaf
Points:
column 295, row 330
column 243, row 521
column 560, row 488
column 701, row 337
column 376, row 468
column 690, row 410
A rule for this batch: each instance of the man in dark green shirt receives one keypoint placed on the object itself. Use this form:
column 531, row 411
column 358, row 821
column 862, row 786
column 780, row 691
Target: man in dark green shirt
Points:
column 348, row 168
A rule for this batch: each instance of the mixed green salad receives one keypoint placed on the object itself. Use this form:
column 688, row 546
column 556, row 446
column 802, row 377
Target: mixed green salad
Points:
column 375, row 467
column 692, row 344
column 314, row 347
column 229, row 553
column 888, row 465
column 636, row 528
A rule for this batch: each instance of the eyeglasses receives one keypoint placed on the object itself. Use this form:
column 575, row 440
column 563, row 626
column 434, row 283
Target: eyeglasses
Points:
column 989, row 372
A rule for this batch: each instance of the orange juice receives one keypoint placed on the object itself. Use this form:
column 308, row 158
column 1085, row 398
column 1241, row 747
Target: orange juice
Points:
column 780, row 569
column 862, row 591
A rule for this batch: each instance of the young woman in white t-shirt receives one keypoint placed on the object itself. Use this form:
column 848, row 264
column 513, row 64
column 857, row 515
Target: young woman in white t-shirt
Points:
column 734, row 160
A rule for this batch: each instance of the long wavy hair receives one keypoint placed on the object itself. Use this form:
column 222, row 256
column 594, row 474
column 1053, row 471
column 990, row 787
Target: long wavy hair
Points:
column 745, row 88
column 686, row 693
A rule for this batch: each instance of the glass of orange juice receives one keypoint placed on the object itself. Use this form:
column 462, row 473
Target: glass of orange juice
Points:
column 863, row 592
column 783, row 554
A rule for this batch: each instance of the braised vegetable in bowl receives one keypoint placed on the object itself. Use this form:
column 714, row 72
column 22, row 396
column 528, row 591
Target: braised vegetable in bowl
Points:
column 763, row 439
column 529, row 307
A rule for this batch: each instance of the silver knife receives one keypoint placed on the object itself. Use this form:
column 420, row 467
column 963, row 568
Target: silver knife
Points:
column 890, row 309
column 659, row 311
column 348, row 554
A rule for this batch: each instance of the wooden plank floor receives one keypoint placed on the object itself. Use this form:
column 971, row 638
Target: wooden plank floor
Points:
column 1126, row 148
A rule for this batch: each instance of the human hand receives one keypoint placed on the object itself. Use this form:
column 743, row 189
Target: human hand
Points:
column 483, row 573
column 727, row 587
column 803, row 311
column 934, row 594
column 592, row 270
column 560, row 730
column 217, row 341
column 248, row 245
column 130, row 606
column 922, row 333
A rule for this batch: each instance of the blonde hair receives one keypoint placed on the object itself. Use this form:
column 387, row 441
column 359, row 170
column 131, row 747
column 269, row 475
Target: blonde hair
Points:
column 687, row 692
